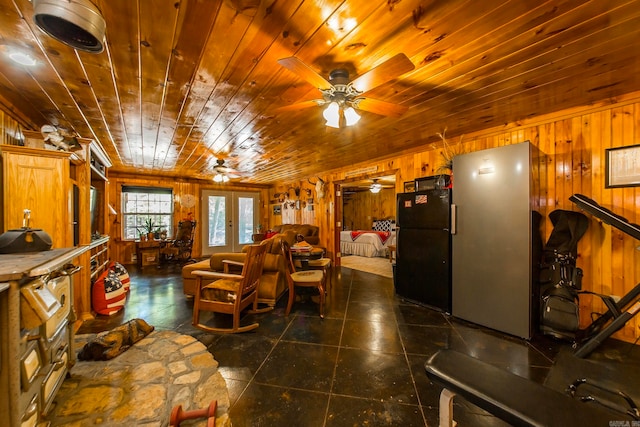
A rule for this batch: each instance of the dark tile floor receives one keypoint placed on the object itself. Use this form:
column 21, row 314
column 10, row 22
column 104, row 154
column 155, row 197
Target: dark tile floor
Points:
column 363, row 365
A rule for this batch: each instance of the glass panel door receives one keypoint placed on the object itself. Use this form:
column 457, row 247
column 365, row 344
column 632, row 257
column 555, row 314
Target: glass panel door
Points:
column 229, row 220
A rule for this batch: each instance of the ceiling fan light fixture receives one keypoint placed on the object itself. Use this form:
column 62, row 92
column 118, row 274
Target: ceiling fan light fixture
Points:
column 76, row 23
column 351, row 117
column 218, row 177
column 332, row 115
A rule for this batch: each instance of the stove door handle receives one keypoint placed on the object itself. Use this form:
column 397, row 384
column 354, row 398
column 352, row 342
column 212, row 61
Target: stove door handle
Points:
column 31, row 409
column 57, row 364
column 71, row 269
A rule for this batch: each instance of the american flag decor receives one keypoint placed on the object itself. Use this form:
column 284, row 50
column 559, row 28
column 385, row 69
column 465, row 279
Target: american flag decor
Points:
column 421, row 199
column 109, row 294
column 122, row 273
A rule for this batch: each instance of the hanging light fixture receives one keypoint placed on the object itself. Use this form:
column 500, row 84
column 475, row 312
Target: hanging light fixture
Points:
column 351, row 116
column 375, row 187
column 219, row 177
column 332, row 115
column 334, row 112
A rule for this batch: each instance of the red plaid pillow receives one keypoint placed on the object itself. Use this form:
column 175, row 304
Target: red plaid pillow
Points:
column 270, row 234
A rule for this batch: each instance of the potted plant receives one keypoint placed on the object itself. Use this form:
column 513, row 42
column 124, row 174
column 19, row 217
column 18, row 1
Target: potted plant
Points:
column 149, row 228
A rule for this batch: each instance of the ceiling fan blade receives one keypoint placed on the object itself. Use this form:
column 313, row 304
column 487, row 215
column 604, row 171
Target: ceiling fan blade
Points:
column 389, row 70
column 225, row 170
column 298, row 67
column 380, row 107
column 300, row 105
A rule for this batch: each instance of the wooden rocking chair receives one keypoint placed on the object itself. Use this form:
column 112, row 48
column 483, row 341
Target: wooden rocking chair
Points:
column 231, row 293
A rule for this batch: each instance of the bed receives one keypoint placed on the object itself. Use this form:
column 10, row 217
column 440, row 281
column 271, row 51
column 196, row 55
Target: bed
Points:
column 367, row 243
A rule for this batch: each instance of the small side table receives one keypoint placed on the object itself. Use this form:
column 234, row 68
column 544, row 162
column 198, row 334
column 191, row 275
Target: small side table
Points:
column 392, row 251
column 148, row 252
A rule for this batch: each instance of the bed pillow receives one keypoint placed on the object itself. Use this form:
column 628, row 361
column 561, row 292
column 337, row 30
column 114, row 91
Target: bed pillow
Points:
column 384, row 225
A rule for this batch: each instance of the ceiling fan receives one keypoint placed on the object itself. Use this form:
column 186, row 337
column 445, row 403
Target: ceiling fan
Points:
column 344, row 96
column 223, row 173
column 376, row 187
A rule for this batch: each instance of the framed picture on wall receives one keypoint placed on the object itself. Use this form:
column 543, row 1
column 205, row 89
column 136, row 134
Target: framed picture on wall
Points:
column 277, row 210
column 409, row 186
column 622, row 166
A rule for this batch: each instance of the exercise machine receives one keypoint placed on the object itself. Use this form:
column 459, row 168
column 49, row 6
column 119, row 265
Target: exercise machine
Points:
column 618, row 311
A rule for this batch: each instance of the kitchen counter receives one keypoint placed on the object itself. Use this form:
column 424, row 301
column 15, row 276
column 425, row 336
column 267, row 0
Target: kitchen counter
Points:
column 32, row 264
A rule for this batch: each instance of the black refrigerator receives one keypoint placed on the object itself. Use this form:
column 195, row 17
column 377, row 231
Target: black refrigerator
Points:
column 423, row 248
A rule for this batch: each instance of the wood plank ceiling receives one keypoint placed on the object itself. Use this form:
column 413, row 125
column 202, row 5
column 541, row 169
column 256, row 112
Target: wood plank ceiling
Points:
column 182, row 83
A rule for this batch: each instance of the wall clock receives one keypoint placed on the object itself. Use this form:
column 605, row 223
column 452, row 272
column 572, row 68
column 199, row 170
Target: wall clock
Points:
column 188, row 200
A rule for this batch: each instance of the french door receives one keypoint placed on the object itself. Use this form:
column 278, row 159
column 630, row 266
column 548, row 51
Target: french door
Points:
column 228, row 221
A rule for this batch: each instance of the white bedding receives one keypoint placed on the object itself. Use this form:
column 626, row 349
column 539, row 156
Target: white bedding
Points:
column 366, row 244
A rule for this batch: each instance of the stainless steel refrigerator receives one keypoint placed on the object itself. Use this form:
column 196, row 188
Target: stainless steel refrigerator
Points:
column 496, row 245
column 423, row 248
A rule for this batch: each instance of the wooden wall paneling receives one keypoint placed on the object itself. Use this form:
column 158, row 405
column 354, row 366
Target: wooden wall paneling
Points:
column 581, row 180
column 594, row 235
column 364, row 207
column 563, row 163
column 617, row 244
column 602, row 240
column 635, row 277
column 628, row 210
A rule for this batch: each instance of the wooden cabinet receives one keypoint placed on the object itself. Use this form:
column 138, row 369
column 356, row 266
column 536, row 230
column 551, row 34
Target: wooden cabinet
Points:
column 56, row 187
column 38, row 180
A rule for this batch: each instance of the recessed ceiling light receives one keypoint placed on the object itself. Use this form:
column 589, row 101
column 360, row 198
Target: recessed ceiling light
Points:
column 22, row 58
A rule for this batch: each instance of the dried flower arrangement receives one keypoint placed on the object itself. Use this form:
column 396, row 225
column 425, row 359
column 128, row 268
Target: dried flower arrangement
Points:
column 449, row 151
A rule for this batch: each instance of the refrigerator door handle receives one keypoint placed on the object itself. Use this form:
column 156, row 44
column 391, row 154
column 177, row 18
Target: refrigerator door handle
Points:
column 454, row 211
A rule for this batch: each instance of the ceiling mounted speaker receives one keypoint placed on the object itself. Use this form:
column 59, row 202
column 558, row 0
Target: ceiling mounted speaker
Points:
column 76, row 23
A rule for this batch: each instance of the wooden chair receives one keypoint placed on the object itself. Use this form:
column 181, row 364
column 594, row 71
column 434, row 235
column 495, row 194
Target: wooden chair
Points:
column 231, row 293
column 306, row 278
column 323, row 264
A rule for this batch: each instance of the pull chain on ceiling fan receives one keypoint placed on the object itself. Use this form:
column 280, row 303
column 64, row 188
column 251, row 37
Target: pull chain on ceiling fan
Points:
column 344, row 96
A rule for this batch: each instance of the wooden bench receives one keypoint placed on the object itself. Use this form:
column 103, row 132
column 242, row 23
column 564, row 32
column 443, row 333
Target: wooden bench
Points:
column 511, row 398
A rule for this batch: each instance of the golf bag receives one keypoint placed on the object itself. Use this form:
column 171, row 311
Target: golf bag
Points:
column 560, row 279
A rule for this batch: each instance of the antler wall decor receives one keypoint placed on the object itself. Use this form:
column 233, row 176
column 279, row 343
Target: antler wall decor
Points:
column 296, row 190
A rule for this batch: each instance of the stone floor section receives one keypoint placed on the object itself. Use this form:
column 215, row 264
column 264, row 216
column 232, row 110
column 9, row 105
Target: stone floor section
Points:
column 141, row 386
